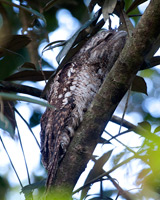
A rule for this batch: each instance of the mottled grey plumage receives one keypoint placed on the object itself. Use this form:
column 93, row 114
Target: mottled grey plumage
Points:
column 71, row 93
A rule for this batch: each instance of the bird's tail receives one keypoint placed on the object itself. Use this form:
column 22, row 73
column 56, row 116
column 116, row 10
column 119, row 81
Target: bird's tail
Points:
column 53, row 166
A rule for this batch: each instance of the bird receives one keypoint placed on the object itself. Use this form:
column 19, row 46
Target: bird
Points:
column 71, row 92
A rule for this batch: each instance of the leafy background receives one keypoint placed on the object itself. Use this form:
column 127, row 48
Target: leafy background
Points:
column 28, row 53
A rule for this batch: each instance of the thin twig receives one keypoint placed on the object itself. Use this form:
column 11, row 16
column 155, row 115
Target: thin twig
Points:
column 13, row 52
column 125, row 109
column 101, row 188
column 110, row 171
column 122, row 133
column 27, row 126
column 120, row 190
column 105, row 173
column 11, row 163
column 23, row 155
column 138, row 15
column 114, row 137
column 13, row 87
column 126, row 124
column 137, row 129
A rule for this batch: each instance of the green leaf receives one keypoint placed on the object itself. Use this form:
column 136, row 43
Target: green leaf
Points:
column 10, row 60
column 35, row 118
column 12, row 43
column 7, row 108
column 125, row 23
column 135, row 4
column 49, row 5
column 157, row 129
column 28, row 65
column 51, row 46
column 29, row 188
column 135, row 14
column 145, row 125
column 144, row 129
column 78, row 36
column 30, row 75
column 96, row 171
column 153, row 49
column 155, row 61
column 91, row 5
column 139, row 85
column 9, row 96
column 100, row 198
column 108, row 8
column 147, row 73
column 59, row 4
column 8, row 64
column 149, row 63
column 6, row 125
column 29, row 10
column 117, row 157
column 142, row 174
column 4, row 187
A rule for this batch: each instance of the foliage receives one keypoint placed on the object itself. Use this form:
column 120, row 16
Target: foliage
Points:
column 25, row 26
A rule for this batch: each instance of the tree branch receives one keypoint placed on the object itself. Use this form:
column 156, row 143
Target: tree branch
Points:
column 13, row 87
column 137, row 129
column 105, row 102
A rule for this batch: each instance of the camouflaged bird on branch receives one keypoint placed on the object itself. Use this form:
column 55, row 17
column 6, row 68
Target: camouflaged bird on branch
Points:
column 71, row 93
